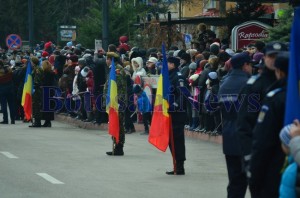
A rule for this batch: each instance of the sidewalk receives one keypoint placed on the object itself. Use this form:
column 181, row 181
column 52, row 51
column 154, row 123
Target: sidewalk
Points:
column 138, row 128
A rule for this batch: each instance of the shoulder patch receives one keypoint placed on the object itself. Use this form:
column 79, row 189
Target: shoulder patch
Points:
column 274, row 92
column 262, row 113
column 252, row 79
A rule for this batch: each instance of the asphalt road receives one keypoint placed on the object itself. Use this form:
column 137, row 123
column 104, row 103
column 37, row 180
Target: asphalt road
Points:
column 64, row 161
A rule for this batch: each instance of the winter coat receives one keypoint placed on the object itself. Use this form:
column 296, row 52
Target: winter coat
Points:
column 288, row 181
column 267, row 157
column 140, row 71
column 232, row 85
column 144, row 103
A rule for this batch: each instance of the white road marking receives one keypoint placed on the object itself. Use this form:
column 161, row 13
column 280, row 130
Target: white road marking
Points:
column 9, row 155
column 49, row 178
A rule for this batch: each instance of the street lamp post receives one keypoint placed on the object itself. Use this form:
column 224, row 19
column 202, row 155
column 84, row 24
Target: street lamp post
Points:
column 30, row 22
column 105, row 12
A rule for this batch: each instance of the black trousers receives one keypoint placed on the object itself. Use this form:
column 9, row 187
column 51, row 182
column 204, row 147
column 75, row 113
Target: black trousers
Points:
column 179, row 142
column 147, row 120
column 237, row 178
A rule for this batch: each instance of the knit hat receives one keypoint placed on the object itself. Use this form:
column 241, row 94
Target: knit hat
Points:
column 81, row 61
column 193, row 66
column 175, row 54
column 85, row 71
column 45, row 54
column 214, row 49
column 38, row 54
column 185, row 57
column 137, row 89
column 152, row 60
column 257, row 57
column 48, row 45
column 123, row 39
column 212, row 75
column 86, row 56
column 174, row 60
column 69, row 44
column 284, row 135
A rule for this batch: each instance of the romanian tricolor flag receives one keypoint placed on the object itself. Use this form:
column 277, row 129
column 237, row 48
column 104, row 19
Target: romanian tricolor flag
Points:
column 161, row 120
column 112, row 103
column 27, row 92
column 292, row 110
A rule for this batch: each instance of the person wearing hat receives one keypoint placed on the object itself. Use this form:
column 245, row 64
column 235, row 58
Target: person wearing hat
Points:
column 178, row 115
column 151, row 66
column 48, row 81
column 253, row 93
column 259, row 68
column 228, row 92
column 290, row 180
column 138, row 69
column 192, row 113
column 185, row 61
column 122, row 100
column 267, row 157
column 205, row 119
column 38, row 78
column 6, row 93
column 213, row 89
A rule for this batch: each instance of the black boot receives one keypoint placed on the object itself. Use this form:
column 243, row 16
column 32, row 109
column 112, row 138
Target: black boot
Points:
column 47, row 123
column 36, row 123
column 117, row 151
column 179, row 169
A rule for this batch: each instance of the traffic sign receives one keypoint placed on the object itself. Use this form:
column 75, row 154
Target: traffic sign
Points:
column 13, row 41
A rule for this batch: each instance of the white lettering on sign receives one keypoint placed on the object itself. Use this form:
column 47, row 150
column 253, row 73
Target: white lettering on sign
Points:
column 253, row 36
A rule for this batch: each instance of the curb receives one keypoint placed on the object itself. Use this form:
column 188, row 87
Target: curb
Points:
column 138, row 128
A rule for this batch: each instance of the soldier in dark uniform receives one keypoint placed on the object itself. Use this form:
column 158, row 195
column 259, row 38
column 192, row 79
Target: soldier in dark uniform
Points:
column 38, row 76
column 254, row 93
column 122, row 96
column 267, row 157
column 178, row 116
column 228, row 96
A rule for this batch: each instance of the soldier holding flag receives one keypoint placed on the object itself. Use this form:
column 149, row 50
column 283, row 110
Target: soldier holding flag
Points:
column 115, row 89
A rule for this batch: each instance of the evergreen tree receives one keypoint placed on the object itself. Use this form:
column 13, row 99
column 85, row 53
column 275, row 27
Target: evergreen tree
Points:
column 282, row 30
column 244, row 11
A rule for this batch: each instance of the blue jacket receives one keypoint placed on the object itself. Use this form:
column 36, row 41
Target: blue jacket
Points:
column 228, row 95
column 144, row 103
column 288, row 181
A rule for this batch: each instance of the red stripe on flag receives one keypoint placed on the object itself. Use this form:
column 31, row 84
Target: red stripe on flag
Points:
column 28, row 106
column 160, row 129
column 113, row 124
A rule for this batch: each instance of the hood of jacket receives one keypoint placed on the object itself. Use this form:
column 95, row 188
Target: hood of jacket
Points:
column 139, row 60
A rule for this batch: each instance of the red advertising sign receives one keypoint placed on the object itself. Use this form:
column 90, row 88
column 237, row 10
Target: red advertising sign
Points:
column 248, row 32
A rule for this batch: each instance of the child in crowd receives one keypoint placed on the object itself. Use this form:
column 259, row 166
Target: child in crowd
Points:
column 144, row 107
column 288, row 187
